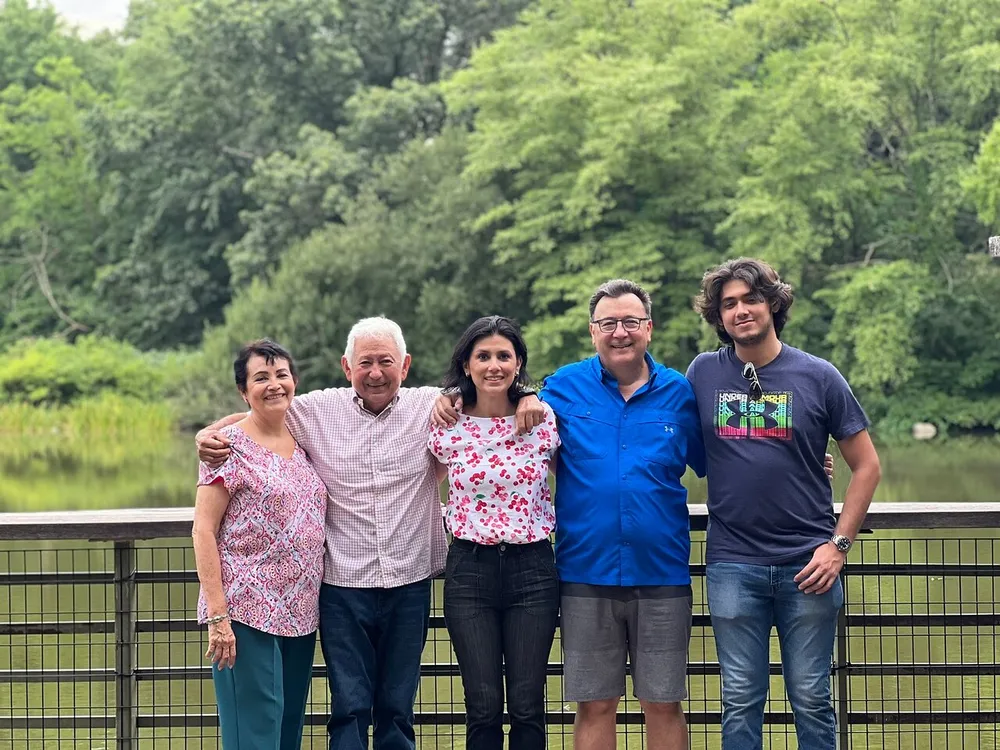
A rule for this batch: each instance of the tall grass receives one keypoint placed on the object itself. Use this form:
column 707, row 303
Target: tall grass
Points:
column 108, row 451
column 108, row 416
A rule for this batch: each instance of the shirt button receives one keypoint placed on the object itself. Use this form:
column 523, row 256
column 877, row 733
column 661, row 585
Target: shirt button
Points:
column 624, row 447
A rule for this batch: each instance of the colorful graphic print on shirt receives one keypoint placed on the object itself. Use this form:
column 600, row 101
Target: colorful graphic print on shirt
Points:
column 738, row 417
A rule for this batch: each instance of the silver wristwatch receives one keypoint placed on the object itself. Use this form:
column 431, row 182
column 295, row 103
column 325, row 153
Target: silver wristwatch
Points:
column 841, row 542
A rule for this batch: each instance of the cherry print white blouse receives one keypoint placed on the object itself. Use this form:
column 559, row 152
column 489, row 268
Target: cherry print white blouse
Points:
column 498, row 487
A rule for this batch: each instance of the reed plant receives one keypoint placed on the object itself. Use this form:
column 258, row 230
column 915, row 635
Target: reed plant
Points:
column 106, row 452
column 107, row 416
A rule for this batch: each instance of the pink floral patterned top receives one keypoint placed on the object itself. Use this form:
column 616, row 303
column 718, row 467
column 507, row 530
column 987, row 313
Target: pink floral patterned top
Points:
column 498, row 487
column 271, row 537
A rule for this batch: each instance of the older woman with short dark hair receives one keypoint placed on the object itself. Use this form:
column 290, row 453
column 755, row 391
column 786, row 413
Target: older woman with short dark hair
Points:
column 258, row 543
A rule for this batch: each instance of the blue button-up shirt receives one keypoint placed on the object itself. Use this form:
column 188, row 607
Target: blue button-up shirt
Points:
column 621, row 510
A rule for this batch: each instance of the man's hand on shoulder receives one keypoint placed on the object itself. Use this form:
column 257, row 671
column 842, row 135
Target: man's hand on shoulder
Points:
column 213, row 447
column 446, row 410
column 530, row 413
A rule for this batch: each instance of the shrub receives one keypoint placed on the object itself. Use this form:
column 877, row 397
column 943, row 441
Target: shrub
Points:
column 56, row 372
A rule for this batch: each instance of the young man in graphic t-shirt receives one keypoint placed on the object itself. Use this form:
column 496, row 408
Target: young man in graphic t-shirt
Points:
column 774, row 550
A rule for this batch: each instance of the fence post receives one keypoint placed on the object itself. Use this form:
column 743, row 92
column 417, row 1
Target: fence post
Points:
column 126, row 611
column 840, row 670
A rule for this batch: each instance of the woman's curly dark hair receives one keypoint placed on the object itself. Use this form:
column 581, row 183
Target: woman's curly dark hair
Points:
column 762, row 280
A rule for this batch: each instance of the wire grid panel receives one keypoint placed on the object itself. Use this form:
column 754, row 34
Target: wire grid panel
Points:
column 176, row 700
column 58, row 690
column 920, row 670
column 922, row 644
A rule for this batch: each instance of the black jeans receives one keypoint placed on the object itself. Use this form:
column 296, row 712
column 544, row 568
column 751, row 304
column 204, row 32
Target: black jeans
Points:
column 500, row 605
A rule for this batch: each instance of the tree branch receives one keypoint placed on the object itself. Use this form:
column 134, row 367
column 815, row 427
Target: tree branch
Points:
column 42, row 277
column 229, row 150
column 840, row 21
column 947, row 273
column 871, row 247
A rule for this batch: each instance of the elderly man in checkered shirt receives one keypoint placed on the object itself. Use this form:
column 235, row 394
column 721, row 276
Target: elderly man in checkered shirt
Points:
column 384, row 537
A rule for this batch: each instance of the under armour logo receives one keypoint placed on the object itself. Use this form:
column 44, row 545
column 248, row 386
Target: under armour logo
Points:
column 746, row 413
column 668, row 428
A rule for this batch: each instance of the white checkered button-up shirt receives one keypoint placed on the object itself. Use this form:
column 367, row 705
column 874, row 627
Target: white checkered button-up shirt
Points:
column 383, row 517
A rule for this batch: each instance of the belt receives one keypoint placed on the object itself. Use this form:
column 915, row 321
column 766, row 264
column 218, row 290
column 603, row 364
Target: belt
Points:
column 502, row 547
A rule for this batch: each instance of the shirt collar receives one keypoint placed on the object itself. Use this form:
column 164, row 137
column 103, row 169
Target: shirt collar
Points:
column 607, row 377
column 361, row 405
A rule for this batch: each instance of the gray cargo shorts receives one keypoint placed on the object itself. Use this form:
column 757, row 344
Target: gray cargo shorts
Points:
column 602, row 626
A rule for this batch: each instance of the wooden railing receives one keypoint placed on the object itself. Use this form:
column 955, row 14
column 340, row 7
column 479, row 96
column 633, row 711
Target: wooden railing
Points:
column 892, row 638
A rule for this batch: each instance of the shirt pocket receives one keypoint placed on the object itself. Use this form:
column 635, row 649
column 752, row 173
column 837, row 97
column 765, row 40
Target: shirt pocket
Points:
column 663, row 442
column 405, row 455
column 586, row 434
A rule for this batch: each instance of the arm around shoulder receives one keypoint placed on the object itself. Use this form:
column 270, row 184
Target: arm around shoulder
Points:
column 212, row 443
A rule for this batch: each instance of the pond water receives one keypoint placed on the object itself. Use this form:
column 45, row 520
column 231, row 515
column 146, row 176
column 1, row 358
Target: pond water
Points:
column 62, row 474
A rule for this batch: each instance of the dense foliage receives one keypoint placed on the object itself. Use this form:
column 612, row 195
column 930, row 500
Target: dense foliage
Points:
column 226, row 169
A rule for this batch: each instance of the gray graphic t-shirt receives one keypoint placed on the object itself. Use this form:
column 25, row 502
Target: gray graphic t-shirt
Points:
column 769, row 500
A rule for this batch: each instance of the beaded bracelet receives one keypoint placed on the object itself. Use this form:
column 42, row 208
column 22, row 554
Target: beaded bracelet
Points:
column 216, row 619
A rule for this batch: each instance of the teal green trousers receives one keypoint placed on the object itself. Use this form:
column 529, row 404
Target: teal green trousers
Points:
column 262, row 699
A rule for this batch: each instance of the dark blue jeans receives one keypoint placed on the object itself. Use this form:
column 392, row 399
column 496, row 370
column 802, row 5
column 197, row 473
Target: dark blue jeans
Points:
column 372, row 640
column 745, row 602
column 500, row 605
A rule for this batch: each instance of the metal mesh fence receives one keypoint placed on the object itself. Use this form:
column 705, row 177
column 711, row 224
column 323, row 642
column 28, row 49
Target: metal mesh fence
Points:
column 96, row 639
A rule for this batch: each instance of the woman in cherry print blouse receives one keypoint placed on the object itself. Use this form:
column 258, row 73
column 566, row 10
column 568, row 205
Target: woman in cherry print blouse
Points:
column 501, row 591
column 258, row 543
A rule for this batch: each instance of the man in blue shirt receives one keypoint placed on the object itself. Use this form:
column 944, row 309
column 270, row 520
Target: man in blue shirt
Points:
column 774, row 549
column 629, row 428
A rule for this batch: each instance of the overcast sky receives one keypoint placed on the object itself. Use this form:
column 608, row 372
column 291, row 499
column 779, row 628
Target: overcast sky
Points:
column 92, row 15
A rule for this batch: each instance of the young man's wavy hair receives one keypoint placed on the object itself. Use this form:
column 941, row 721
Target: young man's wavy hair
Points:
column 762, row 280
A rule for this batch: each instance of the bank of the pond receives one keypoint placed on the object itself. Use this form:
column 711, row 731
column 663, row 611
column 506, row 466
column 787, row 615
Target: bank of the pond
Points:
column 139, row 459
column 104, row 452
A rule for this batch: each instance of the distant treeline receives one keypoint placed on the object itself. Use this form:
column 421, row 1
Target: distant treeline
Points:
column 225, row 169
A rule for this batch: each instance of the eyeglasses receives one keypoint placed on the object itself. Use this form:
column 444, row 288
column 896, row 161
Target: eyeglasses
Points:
column 756, row 393
column 610, row 325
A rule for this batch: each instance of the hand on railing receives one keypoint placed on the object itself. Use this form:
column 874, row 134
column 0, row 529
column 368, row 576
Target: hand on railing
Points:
column 221, row 644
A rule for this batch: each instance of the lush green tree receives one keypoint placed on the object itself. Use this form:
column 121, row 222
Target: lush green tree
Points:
column 237, row 80
column 321, row 160
column 655, row 138
column 241, row 127
column 405, row 250
column 598, row 120
column 864, row 121
column 421, row 40
column 48, row 205
column 32, row 32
